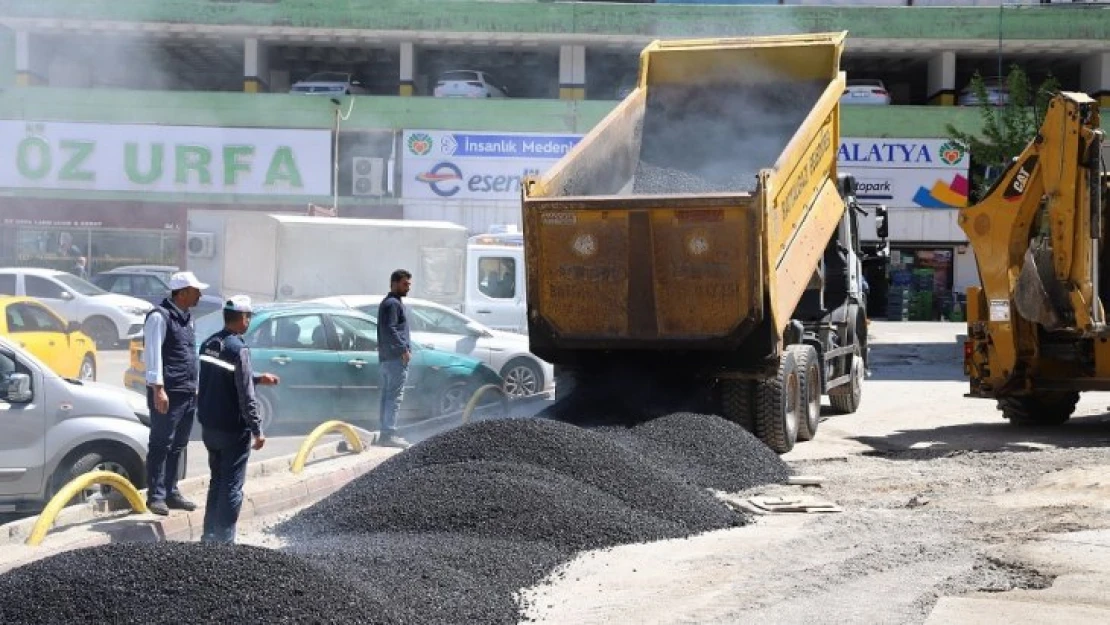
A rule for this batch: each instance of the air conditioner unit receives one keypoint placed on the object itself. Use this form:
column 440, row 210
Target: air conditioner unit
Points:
column 201, row 244
column 366, row 175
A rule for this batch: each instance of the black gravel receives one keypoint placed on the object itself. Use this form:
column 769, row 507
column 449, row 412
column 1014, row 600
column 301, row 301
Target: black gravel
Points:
column 652, row 180
column 705, row 450
column 437, row 578
column 173, row 582
column 594, row 459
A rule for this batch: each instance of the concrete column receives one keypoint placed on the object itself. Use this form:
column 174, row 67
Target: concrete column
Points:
column 572, row 72
column 32, row 60
column 942, row 79
column 1095, row 78
column 256, row 66
column 408, row 69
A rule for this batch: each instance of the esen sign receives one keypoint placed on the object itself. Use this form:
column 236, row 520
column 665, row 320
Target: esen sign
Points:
column 164, row 159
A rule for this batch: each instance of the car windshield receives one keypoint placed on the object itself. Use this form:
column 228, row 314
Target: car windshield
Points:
column 327, row 77
column 460, row 76
column 77, row 285
column 208, row 325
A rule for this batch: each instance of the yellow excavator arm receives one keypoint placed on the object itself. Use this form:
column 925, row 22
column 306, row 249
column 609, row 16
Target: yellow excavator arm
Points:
column 1037, row 322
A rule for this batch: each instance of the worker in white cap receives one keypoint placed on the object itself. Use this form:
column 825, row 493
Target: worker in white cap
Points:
column 229, row 418
column 172, row 370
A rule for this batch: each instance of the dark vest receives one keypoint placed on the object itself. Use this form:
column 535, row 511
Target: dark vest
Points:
column 218, row 403
column 179, row 349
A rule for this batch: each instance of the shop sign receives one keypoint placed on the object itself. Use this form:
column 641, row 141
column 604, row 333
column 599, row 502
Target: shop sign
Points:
column 440, row 165
column 164, row 159
column 907, row 173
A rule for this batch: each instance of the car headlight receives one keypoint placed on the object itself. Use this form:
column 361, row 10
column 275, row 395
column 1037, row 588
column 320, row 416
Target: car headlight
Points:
column 134, row 310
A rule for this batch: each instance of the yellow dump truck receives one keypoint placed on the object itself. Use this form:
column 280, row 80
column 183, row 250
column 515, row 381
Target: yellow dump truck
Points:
column 1036, row 327
column 700, row 234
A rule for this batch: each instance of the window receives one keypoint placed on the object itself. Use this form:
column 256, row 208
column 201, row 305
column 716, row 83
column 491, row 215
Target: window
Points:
column 9, row 364
column 43, row 288
column 148, row 286
column 423, row 319
column 7, row 284
column 120, row 284
column 292, row 332
column 355, row 334
column 32, row 318
column 497, row 277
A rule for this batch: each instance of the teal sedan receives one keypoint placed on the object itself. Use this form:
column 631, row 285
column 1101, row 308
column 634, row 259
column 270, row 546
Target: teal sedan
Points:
column 327, row 360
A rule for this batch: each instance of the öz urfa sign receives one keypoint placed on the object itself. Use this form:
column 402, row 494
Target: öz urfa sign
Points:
column 165, row 159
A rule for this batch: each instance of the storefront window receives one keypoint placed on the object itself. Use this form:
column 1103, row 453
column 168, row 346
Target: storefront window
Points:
column 920, row 284
column 103, row 248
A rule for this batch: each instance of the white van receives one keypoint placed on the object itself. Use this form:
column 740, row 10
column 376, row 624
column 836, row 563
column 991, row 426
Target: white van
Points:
column 495, row 285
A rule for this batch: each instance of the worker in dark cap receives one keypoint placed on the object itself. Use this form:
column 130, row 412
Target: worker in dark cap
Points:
column 228, row 413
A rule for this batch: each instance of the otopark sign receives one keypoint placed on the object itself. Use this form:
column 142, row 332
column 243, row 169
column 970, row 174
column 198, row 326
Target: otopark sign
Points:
column 164, row 159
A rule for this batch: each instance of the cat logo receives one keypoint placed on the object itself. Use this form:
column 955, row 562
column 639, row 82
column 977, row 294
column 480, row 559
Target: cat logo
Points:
column 1016, row 189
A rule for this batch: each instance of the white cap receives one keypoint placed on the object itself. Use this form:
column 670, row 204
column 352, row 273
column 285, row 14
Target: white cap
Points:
column 238, row 303
column 184, row 279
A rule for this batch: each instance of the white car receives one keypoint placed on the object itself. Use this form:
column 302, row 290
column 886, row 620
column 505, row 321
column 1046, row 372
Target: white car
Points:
column 998, row 93
column 439, row 327
column 865, row 91
column 106, row 317
column 467, row 83
column 330, row 83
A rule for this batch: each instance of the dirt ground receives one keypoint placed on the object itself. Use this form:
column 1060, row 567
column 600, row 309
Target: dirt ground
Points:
column 940, row 497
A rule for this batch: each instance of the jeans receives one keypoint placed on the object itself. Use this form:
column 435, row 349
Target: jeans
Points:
column 394, row 374
column 169, row 436
column 228, row 453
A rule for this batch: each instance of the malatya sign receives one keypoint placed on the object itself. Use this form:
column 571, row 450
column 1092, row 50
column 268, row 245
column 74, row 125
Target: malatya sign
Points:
column 164, row 159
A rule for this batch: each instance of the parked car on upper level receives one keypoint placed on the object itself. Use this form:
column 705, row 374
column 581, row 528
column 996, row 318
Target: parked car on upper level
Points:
column 330, row 83
column 106, row 317
column 998, row 92
column 61, row 345
column 865, row 91
column 466, row 83
column 151, row 286
column 327, row 359
column 439, row 327
column 54, row 429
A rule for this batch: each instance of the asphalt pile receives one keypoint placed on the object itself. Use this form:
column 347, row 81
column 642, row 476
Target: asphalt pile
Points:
column 173, row 582
column 453, row 528
column 653, row 180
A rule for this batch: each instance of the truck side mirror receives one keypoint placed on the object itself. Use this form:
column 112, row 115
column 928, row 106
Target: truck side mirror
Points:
column 17, row 388
column 882, row 225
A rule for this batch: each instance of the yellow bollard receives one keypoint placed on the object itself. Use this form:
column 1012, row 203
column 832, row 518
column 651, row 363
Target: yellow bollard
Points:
column 324, row 428
column 473, row 403
column 69, row 491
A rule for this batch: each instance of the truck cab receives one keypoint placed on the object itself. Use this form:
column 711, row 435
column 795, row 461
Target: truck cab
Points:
column 495, row 282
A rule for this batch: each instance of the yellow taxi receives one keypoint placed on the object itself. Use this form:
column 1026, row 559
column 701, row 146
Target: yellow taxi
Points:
column 39, row 330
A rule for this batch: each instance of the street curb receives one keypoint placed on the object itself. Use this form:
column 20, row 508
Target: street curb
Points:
column 261, row 497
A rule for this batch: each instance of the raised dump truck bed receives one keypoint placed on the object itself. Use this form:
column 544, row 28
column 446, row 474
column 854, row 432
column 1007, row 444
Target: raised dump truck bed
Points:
column 700, row 231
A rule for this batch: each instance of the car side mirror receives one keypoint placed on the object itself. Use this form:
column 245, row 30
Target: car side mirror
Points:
column 17, row 388
column 72, row 327
column 66, row 295
column 882, row 224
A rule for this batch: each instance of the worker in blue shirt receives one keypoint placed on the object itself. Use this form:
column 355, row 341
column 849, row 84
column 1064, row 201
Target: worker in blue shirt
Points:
column 228, row 414
column 394, row 355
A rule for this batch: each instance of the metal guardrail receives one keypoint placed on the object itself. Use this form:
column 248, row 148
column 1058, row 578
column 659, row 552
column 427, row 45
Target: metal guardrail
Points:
column 60, row 499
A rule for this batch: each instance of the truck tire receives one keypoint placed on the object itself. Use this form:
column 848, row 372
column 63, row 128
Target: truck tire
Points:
column 847, row 398
column 1041, row 409
column 778, row 407
column 566, row 380
column 809, row 370
column 738, row 402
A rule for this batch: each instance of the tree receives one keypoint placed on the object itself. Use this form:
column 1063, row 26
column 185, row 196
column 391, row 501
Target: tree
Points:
column 1006, row 129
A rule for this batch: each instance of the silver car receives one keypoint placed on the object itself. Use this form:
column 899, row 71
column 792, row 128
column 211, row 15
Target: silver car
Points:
column 330, row 83
column 53, row 429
